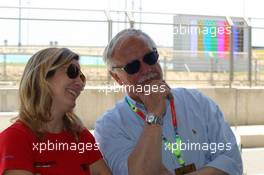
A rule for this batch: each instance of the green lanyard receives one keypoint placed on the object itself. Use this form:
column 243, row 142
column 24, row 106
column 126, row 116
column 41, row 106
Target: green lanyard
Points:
column 170, row 145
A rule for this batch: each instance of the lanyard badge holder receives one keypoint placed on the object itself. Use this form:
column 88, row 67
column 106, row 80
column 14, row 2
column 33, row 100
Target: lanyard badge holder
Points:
column 176, row 152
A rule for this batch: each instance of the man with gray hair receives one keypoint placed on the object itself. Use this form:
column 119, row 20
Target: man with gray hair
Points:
column 167, row 131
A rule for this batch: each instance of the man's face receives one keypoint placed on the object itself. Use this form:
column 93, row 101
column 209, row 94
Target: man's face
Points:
column 127, row 50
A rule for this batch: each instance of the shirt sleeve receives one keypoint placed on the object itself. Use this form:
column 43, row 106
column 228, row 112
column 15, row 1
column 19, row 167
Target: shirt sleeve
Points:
column 227, row 156
column 93, row 152
column 114, row 144
column 15, row 151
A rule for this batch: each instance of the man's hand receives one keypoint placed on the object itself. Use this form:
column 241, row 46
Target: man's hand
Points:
column 155, row 102
column 164, row 171
column 208, row 171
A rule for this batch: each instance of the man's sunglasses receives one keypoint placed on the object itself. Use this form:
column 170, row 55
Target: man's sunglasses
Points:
column 73, row 72
column 133, row 67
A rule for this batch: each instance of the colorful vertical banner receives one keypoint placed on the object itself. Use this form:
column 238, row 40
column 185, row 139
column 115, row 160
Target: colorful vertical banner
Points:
column 200, row 35
column 227, row 36
column 238, row 35
column 221, row 38
column 207, row 37
column 210, row 37
column 194, row 37
column 213, row 31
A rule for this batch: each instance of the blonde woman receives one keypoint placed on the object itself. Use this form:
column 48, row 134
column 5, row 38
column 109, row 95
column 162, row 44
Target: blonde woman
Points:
column 48, row 138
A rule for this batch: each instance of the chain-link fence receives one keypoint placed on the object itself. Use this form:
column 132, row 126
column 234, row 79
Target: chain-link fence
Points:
column 213, row 51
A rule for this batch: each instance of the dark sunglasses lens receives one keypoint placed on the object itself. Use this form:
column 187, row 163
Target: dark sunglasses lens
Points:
column 72, row 71
column 151, row 58
column 133, row 67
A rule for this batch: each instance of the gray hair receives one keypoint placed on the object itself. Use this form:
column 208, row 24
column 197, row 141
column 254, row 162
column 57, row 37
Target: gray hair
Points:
column 110, row 48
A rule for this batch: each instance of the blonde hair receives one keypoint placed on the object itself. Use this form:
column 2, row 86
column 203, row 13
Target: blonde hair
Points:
column 35, row 92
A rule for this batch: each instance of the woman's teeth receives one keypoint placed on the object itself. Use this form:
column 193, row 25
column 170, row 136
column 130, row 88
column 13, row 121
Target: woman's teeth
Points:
column 72, row 92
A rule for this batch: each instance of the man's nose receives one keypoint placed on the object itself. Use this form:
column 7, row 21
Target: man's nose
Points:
column 144, row 67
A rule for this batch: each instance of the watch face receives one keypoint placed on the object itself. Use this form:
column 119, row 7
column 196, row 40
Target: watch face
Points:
column 150, row 118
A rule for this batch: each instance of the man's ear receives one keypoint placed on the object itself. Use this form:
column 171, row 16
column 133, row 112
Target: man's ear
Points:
column 116, row 77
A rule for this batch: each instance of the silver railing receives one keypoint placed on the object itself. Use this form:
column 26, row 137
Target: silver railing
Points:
column 90, row 31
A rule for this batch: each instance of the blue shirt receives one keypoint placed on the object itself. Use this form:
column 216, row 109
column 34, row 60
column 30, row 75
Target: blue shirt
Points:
column 207, row 140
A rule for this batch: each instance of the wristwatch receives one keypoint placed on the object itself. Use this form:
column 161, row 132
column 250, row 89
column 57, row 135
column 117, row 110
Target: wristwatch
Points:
column 152, row 119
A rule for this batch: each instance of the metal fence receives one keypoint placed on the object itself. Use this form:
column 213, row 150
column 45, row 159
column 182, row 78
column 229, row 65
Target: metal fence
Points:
column 25, row 30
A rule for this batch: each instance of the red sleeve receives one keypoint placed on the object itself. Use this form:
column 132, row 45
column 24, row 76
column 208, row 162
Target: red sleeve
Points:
column 94, row 154
column 15, row 150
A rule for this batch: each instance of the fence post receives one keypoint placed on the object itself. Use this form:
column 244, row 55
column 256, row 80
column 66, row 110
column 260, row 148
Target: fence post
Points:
column 165, row 68
column 211, row 71
column 255, row 71
column 231, row 57
column 110, row 33
column 249, row 56
column 131, row 19
column 19, row 24
column 4, row 63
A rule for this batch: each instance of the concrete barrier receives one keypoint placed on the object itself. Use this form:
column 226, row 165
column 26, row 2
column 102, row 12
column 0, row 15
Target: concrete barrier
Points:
column 246, row 136
column 241, row 106
column 9, row 99
column 6, row 119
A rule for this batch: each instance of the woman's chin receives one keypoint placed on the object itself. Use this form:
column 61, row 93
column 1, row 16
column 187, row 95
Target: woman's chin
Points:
column 70, row 107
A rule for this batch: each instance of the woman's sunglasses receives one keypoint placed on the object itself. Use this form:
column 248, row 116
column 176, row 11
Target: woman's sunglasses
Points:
column 133, row 67
column 73, row 72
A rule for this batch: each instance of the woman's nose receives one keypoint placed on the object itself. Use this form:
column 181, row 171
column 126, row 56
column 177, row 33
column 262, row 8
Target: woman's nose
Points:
column 81, row 82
